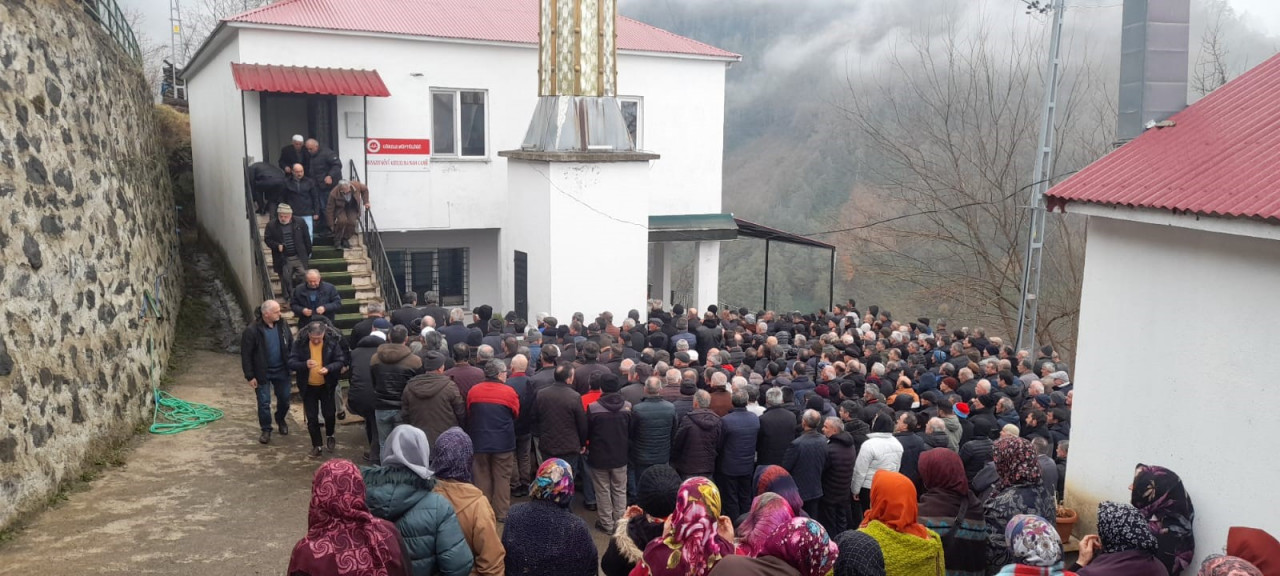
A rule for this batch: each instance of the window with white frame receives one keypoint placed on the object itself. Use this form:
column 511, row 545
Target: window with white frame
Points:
column 633, row 113
column 444, row 270
column 459, row 123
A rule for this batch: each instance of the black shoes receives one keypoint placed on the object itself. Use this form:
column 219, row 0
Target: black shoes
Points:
column 520, row 492
column 331, row 443
column 341, row 415
column 591, row 507
column 346, row 244
column 265, row 437
column 284, row 428
column 315, row 452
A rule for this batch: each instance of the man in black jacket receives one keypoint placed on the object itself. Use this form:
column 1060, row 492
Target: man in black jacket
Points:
column 391, row 367
column 693, row 453
column 294, row 153
column 561, row 425
column 837, row 477
column 653, row 427
column 300, row 193
column 290, row 242
column 264, row 354
column 408, row 314
column 360, row 396
column 608, row 433
column 268, row 186
column 325, row 170
column 433, row 309
column 904, row 429
column 315, row 298
column 777, row 429
column 317, row 360
column 738, row 434
column 806, row 459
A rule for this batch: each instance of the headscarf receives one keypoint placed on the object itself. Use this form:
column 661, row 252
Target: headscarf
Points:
column 860, row 555
column 407, row 446
column 942, row 469
column 768, row 512
column 1033, row 541
column 1219, row 565
column 1122, row 528
column 1016, row 462
column 1158, row 493
column 804, row 545
column 689, row 545
column 342, row 536
column 893, row 503
column 554, row 483
column 776, row 479
column 1256, row 546
column 454, row 453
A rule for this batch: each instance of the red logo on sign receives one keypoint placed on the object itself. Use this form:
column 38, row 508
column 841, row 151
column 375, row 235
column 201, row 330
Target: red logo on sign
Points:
column 419, row 146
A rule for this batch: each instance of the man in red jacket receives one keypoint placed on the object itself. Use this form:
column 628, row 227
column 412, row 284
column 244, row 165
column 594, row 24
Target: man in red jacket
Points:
column 492, row 409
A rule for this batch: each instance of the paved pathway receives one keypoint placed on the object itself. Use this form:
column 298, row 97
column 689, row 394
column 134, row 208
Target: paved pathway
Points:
column 203, row 502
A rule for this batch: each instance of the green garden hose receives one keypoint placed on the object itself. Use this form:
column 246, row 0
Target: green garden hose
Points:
column 179, row 415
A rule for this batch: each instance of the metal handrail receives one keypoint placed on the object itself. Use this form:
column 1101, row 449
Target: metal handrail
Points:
column 376, row 251
column 255, row 237
column 107, row 13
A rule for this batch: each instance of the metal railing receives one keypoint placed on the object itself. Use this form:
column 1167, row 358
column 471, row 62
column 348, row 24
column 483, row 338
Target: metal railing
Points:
column 255, row 237
column 107, row 14
column 377, row 252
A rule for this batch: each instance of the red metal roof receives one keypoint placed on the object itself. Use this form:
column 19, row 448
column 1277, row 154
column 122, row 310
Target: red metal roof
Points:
column 305, row 80
column 514, row 21
column 1220, row 158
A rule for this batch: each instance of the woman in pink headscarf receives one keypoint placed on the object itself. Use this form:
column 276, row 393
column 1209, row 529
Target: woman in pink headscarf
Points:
column 343, row 538
column 695, row 538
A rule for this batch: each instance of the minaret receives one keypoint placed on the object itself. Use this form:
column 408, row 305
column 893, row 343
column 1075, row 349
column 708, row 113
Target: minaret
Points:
column 578, row 80
column 577, row 226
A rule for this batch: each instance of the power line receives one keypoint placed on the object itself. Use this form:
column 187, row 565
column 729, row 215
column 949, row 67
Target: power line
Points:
column 948, row 209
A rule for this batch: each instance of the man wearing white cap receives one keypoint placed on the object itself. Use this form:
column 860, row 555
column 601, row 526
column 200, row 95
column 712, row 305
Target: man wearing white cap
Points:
column 294, row 153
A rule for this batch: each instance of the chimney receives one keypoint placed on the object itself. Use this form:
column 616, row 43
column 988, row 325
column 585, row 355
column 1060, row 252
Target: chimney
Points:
column 1153, row 63
column 577, row 80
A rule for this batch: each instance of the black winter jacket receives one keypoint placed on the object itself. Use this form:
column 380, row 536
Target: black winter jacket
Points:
column 561, row 422
column 739, row 432
column 608, row 431
column 696, row 443
column 331, row 356
column 361, row 396
column 806, row 459
column 325, row 162
column 838, row 475
column 777, row 430
column 653, row 427
column 301, row 196
column 273, row 237
column 392, row 366
column 975, row 454
column 253, row 349
column 912, row 447
column 325, row 295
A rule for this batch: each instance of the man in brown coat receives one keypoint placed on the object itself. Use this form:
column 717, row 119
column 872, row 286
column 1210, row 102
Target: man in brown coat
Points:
column 721, row 398
column 431, row 400
column 345, row 203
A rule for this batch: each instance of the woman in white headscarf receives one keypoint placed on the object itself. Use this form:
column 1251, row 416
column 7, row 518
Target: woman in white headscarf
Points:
column 402, row 490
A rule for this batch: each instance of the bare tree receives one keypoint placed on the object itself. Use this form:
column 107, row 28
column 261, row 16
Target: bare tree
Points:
column 153, row 51
column 949, row 130
column 201, row 17
column 1211, row 70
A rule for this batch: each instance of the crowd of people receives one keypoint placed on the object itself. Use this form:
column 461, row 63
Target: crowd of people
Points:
column 720, row 443
column 305, row 183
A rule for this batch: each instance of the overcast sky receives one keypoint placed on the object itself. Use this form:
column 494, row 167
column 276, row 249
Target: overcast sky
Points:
column 1265, row 14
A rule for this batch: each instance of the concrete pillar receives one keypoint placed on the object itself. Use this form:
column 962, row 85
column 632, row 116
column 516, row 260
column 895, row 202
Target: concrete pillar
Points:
column 660, row 271
column 706, row 278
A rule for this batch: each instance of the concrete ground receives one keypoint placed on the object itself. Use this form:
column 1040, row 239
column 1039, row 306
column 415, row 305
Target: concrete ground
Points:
column 204, row 502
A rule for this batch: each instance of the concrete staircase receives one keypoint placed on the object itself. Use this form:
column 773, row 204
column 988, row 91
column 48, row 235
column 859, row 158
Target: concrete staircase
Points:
column 349, row 270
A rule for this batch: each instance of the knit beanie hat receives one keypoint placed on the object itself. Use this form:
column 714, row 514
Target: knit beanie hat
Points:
column 658, row 487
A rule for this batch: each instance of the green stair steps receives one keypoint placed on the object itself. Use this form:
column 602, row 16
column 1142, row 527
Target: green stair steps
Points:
column 347, row 291
column 349, row 320
column 328, row 265
column 325, row 252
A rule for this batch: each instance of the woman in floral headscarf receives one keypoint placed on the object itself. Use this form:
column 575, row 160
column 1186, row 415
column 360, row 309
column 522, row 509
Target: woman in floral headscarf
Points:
column 695, row 537
column 909, row 548
column 1219, row 565
column 799, row 547
column 343, row 538
column 1123, row 546
column 1035, row 546
column 1158, row 493
column 1019, row 491
column 542, row 536
column 768, row 512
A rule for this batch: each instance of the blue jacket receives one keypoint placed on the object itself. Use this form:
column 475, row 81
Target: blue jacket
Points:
column 325, row 295
column 739, row 430
column 653, row 427
column 492, row 409
column 806, row 459
column 426, row 520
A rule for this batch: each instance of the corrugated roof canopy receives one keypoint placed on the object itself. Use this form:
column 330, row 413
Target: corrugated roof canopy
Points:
column 305, row 80
column 514, row 21
column 699, row 227
column 1218, row 158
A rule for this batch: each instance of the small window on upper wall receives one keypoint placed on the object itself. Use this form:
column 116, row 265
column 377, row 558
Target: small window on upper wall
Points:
column 633, row 113
column 459, row 123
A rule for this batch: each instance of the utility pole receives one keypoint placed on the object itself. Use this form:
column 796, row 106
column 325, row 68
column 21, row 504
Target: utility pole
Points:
column 1041, row 179
column 177, row 89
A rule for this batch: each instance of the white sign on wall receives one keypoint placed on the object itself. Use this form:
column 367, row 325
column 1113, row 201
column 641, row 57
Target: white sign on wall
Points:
column 398, row 154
